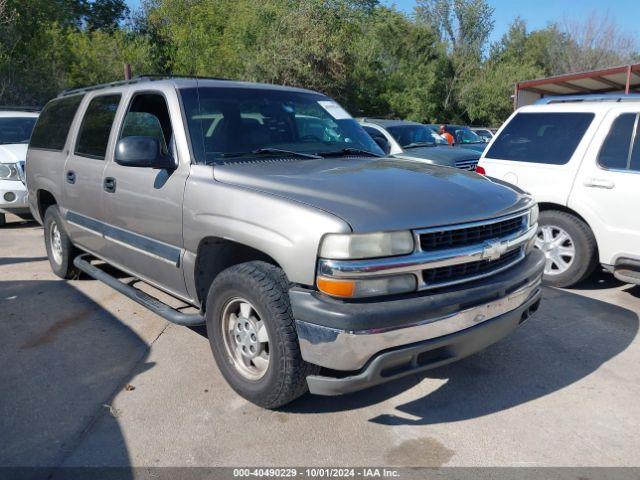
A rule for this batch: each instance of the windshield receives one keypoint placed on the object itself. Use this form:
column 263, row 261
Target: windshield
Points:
column 16, row 129
column 464, row 135
column 228, row 123
column 410, row 136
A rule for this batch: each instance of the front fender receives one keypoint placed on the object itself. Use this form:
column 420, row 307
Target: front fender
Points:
column 285, row 230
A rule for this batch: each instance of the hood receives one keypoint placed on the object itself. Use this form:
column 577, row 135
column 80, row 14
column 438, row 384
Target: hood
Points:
column 378, row 194
column 441, row 155
column 477, row 147
column 13, row 152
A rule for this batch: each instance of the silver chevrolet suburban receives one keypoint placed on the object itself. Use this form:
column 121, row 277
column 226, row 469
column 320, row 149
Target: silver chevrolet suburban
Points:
column 315, row 262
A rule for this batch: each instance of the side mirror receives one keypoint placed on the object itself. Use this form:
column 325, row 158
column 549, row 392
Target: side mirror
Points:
column 144, row 152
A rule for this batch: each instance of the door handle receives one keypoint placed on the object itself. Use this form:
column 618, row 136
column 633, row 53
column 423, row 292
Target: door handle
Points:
column 599, row 183
column 71, row 176
column 110, row 184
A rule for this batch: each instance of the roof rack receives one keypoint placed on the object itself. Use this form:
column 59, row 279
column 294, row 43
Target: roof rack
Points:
column 136, row 79
column 614, row 97
column 5, row 108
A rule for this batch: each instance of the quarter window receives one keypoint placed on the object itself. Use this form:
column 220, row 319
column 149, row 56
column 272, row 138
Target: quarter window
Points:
column 549, row 138
column 96, row 126
column 53, row 125
column 616, row 149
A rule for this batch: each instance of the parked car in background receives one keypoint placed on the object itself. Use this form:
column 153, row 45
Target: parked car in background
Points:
column 315, row 262
column 581, row 160
column 16, row 125
column 417, row 142
column 485, row 133
column 463, row 136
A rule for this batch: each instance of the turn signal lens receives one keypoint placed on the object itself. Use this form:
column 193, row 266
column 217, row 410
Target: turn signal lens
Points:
column 337, row 288
column 370, row 287
column 480, row 170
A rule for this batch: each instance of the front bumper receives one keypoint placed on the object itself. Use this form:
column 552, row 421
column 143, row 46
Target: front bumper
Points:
column 426, row 355
column 9, row 189
column 363, row 342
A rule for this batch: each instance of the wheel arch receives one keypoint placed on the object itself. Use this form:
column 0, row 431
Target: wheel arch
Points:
column 44, row 200
column 545, row 206
column 216, row 254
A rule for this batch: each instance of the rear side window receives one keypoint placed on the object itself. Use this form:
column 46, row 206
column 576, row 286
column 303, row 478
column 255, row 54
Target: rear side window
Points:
column 95, row 129
column 616, row 149
column 52, row 128
column 549, row 138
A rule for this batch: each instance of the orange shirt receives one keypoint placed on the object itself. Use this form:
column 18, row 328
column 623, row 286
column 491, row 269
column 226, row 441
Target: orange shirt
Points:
column 448, row 137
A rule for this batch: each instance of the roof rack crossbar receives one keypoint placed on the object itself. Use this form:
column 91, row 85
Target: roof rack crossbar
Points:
column 137, row 79
column 629, row 97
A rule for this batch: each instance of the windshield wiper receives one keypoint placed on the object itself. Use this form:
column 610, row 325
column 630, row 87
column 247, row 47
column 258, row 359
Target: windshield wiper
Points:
column 349, row 151
column 268, row 151
column 418, row 145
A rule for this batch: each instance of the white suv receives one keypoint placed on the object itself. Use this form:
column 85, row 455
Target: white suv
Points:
column 15, row 130
column 581, row 161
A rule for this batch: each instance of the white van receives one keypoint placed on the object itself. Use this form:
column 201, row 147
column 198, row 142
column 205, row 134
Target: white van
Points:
column 580, row 158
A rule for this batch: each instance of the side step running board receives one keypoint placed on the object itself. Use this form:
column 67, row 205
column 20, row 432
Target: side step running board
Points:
column 137, row 295
column 627, row 270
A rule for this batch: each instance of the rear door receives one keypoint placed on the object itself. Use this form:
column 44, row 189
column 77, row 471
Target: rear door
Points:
column 143, row 206
column 83, row 173
column 607, row 188
column 540, row 151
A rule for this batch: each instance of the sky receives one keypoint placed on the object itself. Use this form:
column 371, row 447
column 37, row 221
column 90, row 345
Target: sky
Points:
column 539, row 13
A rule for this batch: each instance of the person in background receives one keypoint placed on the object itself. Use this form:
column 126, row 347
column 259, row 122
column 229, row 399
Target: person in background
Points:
column 447, row 136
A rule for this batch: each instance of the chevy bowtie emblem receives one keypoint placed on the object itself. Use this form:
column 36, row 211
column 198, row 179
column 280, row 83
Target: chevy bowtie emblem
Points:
column 493, row 250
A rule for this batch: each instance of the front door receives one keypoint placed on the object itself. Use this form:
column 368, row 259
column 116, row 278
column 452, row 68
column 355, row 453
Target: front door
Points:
column 608, row 186
column 84, row 170
column 143, row 206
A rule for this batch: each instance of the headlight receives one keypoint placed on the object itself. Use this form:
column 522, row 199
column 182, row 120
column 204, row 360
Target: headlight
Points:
column 534, row 213
column 9, row 171
column 367, row 287
column 367, row 245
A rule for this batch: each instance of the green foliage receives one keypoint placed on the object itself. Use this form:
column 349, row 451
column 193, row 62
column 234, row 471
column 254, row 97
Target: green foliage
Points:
column 434, row 66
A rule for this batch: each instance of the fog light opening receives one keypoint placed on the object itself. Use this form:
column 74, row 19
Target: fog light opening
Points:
column 9, row 197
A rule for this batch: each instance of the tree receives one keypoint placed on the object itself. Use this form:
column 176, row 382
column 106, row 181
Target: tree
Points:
column 597, row 42
column 464, row 27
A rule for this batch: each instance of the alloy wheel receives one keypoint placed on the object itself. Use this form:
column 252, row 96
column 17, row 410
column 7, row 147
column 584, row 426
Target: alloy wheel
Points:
column 558, row 248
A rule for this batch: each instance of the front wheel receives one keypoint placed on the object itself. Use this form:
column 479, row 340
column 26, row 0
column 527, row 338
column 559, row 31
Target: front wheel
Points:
column 253, row 336
column 569, row 247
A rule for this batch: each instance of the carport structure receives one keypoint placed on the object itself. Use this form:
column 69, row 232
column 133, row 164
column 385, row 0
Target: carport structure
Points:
column 623, row 79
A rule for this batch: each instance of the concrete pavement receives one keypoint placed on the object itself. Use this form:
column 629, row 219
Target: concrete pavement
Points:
column 89, row 378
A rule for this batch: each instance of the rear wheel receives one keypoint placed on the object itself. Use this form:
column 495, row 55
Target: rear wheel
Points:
column 253, row 337
column 60, row 250
column 569, row 247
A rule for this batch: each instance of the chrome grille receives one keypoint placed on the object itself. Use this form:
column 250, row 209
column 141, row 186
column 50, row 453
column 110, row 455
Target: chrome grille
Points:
column 21, row 173
column 468, row 164
column 454, row 273
column 451, row 238
column 448, row 255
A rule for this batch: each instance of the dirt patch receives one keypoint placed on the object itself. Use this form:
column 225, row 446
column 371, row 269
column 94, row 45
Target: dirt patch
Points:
column 419, row 452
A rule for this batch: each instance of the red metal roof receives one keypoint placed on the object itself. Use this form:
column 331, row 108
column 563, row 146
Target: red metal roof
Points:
column 625, row 78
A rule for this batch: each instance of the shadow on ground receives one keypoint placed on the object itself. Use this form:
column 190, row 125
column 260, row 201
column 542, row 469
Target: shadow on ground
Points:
column 15, row 260
column 62, row 356
column 19, row 223
column 569, row 338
